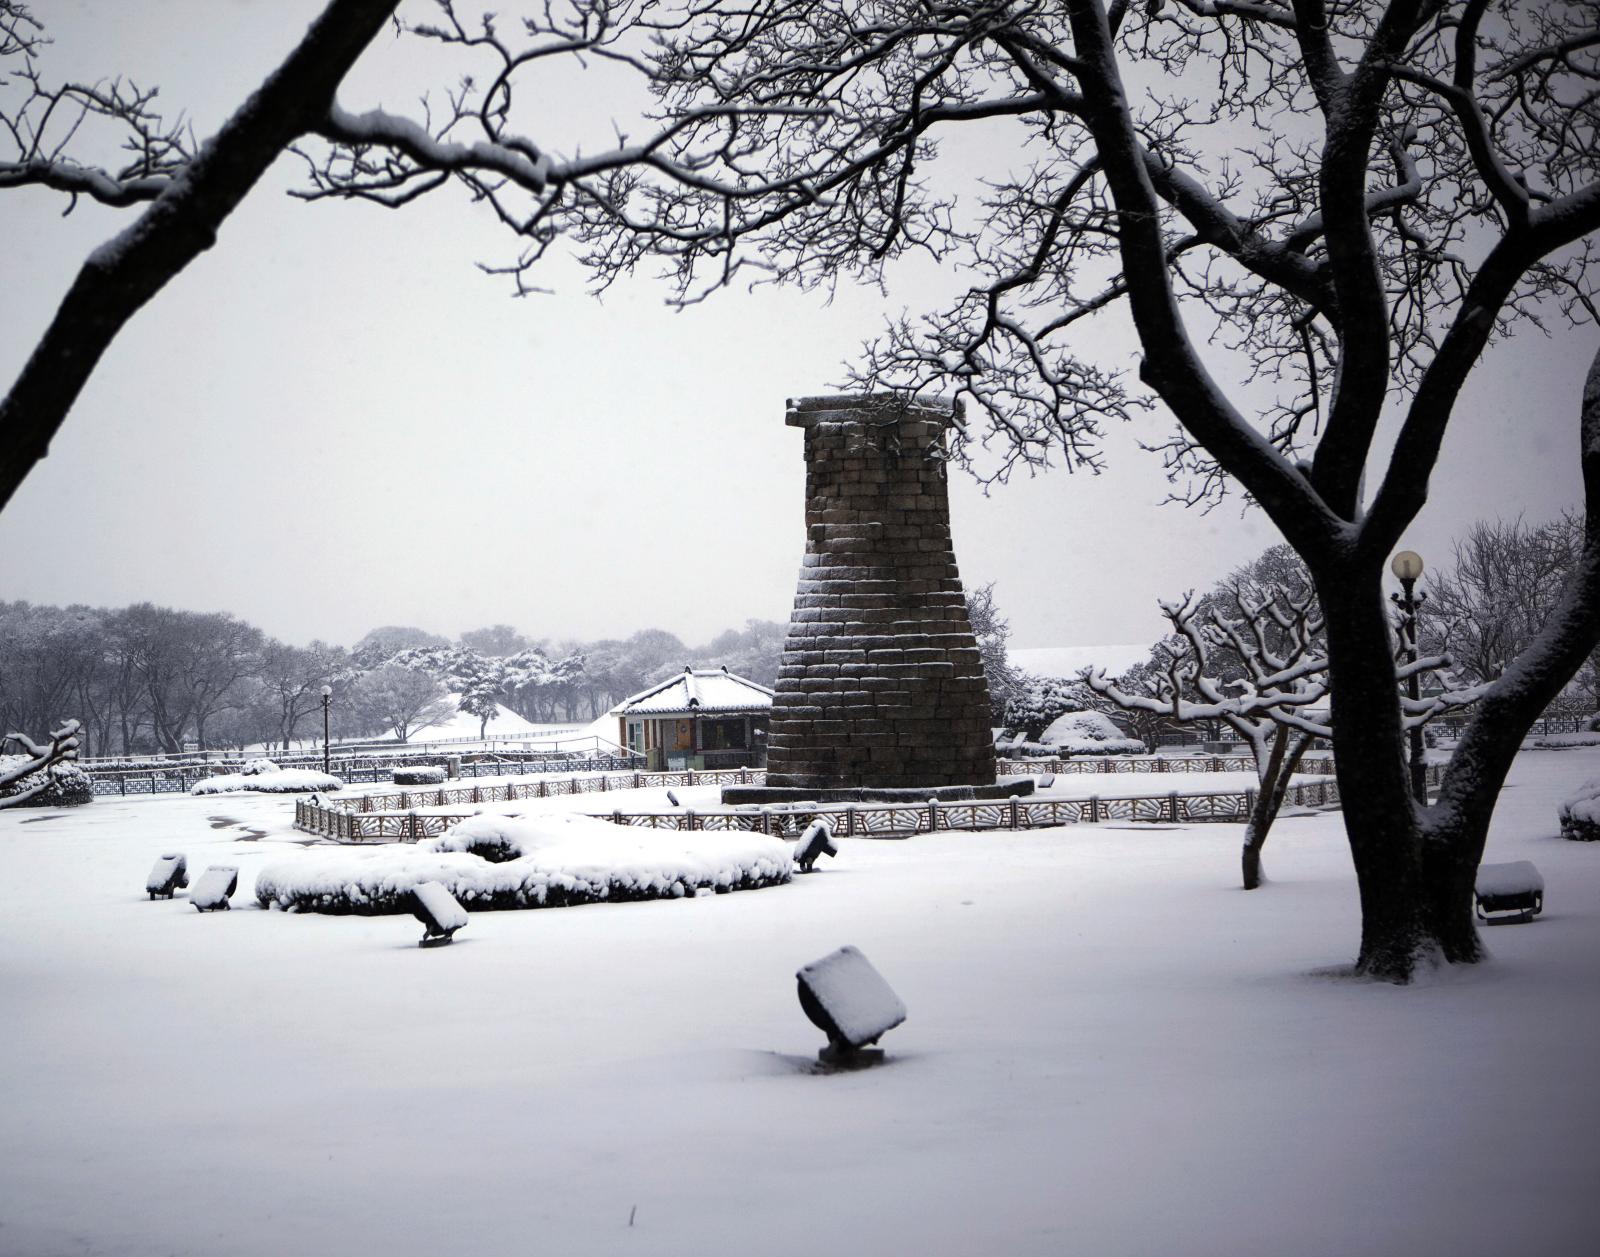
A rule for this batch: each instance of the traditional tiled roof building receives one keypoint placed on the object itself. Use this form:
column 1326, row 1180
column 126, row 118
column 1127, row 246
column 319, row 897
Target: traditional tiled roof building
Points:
column 705, row 718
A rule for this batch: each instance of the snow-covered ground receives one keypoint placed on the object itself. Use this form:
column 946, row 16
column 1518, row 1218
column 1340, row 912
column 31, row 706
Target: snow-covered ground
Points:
column 1110, row 1050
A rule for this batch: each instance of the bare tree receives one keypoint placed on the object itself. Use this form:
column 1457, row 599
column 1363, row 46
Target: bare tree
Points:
column 1278, row 703
column 403, row 699
column 993, row 631
column 1506, row 578
column 1351, row 202
column 292, row 678
column 186, row 190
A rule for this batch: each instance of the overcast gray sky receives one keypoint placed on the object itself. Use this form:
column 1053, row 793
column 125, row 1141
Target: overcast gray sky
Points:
column 333, row 420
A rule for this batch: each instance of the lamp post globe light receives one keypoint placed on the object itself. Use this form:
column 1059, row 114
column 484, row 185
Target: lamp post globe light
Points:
column 1407, row 567
column 327, row 702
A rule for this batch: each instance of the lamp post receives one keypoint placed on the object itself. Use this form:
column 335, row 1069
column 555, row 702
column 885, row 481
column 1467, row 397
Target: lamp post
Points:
column 327, row 702
column 1407, row 567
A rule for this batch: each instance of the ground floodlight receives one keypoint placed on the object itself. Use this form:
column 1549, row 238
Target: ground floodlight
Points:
column 1511, row 892
column 848, row 1000
column 672, row 798
column 816, row 841
column 171, row 873
column 215, row 887
column 441, row 915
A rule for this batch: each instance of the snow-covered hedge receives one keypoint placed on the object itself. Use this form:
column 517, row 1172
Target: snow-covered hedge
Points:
column 547, row 861
column 271, row 781
column 1580, row 815
column 67, row 784
column 1075, row 733
column 418, row 775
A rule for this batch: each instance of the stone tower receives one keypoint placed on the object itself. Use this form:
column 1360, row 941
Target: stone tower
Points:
column 881, row 687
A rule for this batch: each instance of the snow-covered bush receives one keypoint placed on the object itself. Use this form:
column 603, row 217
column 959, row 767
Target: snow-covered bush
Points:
column 1580, row 815
column 258, row 767
column 1076, row 733
column 274, row 781
column 1089, row 733
column 547, row 861
column 1037, row 701
column 65, row 785
column 418, row 775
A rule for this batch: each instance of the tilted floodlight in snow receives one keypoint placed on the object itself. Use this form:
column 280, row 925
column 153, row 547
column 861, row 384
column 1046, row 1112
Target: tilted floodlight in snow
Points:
column 672, row 798
column 1513, row 891
column 816, row 841
column 848, row 1000
column 171, row 873
column 215, row 888
column 437, row 909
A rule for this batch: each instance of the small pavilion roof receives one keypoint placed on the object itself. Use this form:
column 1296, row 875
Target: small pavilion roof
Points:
column 698, row 692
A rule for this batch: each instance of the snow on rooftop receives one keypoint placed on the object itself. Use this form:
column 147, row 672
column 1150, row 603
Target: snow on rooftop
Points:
column 1067, row 662
column 708, row 690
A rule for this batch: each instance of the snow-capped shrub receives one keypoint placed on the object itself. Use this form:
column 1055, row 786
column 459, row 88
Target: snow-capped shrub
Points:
column 65, row 785
column 258, row 767
column 1088, row 733
column 277, row 781
column 418, row 775
column 1039, row 700
column 1580, row 815
column 550, row 861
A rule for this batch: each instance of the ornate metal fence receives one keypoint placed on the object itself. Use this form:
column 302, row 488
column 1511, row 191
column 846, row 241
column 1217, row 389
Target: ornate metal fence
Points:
column 850, row 820
column 352, row 772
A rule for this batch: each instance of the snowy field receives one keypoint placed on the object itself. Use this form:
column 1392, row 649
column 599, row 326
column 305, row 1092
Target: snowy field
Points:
column 1111, row 1050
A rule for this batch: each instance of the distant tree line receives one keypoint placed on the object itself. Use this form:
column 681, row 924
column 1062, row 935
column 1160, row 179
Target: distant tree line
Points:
column 148, row 679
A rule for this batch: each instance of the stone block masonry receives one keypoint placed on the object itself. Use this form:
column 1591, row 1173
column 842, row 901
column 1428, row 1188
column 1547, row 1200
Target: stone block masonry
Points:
column 881, row 685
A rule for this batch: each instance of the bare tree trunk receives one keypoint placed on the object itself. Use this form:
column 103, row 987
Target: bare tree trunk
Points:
column 1275, row 777
column 1407, row 919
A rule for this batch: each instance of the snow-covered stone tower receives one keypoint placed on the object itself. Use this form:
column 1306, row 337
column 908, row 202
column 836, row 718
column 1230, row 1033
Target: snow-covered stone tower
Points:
column 881, row 685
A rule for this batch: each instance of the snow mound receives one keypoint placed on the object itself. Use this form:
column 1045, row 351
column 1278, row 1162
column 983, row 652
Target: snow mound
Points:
column 1089, row 733
column 548, row 861
column 270, row 781
column 1580, row 815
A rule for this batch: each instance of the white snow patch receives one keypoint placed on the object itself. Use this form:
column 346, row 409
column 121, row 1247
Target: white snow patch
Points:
column 275, row 781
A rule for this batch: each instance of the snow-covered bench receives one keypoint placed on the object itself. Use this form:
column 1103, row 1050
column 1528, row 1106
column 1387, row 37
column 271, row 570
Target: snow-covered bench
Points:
column 214, row 888
column 439, row 911
column 1513, row 891
column 170, row 874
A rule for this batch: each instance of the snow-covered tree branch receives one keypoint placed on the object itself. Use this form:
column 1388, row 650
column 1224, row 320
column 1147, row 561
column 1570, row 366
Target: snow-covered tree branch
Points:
column 41, row 758
column 186, row 191
column 1260, row 667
